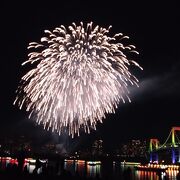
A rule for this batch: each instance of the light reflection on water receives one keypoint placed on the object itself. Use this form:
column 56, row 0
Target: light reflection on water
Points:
column 93, row 169
column 116, row 171
column 141, row 175
column 29, row 163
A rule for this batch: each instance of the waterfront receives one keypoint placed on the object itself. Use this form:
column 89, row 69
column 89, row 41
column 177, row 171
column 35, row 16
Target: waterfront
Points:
column 85, row 169
column 117, row 170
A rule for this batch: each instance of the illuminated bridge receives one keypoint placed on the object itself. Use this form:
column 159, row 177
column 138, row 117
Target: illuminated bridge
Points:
column 168, row 151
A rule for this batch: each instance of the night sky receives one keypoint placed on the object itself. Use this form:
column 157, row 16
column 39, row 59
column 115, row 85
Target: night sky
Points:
column 152, row 26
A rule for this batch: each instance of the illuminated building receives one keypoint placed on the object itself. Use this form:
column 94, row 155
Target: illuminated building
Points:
column 135, row 148
column 97, row 147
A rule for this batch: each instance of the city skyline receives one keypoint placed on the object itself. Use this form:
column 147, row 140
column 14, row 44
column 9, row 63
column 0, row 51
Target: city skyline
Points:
column 152, row 29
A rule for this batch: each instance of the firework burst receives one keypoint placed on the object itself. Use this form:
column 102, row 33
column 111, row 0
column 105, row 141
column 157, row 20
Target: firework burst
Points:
column 81, row 74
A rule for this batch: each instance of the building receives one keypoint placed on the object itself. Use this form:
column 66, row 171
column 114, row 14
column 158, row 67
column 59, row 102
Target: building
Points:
column 97, row 147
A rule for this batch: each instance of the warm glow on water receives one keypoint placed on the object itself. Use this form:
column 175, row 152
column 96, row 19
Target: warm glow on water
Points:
column 95, row 168
column 29, row 163
column 146, row 174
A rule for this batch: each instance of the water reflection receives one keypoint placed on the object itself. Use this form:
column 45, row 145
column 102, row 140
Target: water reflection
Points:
column 116, row 171
column 90, row 169
column 94, row 171
column 29, row 164
column 70, row 166
column 172, row 173
column 80, row 167
column 150, row 175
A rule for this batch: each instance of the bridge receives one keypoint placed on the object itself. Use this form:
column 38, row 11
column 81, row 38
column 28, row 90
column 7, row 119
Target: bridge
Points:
column 171, row 147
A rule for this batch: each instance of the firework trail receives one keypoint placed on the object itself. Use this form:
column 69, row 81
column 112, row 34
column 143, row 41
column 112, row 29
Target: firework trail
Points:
column 81, row 74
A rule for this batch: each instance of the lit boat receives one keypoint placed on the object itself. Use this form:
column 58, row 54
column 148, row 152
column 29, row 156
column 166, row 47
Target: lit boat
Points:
column 152, row 167
column 93, row 163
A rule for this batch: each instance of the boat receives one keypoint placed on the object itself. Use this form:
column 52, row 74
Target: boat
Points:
column 152, row 167
column 93, row 163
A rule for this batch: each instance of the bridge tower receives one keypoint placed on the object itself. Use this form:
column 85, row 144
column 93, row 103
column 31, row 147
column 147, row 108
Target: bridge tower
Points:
column 174, row 144
column 153, row 146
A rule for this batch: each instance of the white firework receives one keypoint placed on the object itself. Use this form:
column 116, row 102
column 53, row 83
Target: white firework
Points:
column 81, row 74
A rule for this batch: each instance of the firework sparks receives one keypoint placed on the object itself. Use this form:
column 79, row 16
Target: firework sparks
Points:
column 81, row 74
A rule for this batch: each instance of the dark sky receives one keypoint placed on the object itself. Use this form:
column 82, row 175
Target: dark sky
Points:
column 152, row 27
